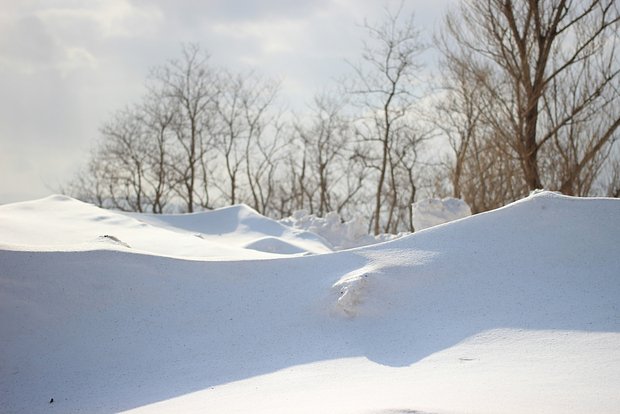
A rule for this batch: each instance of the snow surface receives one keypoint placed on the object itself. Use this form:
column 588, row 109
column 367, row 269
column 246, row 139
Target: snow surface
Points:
column 511, row 311
column 435, row 211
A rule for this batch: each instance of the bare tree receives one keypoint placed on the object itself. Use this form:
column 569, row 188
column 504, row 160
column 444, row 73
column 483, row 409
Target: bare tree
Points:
column 383, row 90
column 403, row 181
column 264, row 142
column 482, row 168
column 458, row 115
column 244, row 113
column 612, row 180
column 577, row 152
column 89, row 183
column 199, row 129
column 266, row 156
column 157, row 120
column 546, row 67
column 296, row 192
column 190, row 87
column 325, row 141
column 124, row 154
column 231, row 135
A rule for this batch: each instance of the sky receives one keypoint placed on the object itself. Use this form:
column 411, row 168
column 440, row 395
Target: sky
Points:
column 67, row 65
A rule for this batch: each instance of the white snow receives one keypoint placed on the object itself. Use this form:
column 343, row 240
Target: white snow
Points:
column 339, row 234
column 435, row 211
column 511, row 311
column 60, row 223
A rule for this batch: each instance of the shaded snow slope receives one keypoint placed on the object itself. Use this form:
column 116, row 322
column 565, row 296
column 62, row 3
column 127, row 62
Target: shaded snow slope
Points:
column 59, row 223
column 511, row 311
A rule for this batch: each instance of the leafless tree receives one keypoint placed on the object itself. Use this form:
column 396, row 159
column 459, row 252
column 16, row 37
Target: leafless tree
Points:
column 325, row 142
column 403, row 161
column 264, row 141
column 458, row 114
column 481, row 168
column 190, row 87
column 295, row 192
column 199, row 131
column 124, row 154
column 157, row 120
column 577, row 152
column 612, row 181
column 231, row 137
column 383, row 90
column 89, row 183
column 550, row 71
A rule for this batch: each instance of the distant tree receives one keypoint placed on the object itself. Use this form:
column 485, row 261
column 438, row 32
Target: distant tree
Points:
column 157, row 119
column 265, row 142
column 328, row 179
column 383, row 90
column 128, row 169
column 190, row 88
column 200, row 137
column 230, row 139
column 89, row 183
column 124, row 154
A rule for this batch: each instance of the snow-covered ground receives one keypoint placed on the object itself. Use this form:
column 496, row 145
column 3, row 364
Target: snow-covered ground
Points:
column 512, row 311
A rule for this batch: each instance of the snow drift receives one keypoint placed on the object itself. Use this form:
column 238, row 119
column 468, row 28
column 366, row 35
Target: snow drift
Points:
column 60, row 223
column 511, row 311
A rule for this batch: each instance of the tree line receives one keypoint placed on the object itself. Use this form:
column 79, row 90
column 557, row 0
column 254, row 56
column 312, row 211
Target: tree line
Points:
column 526, row 97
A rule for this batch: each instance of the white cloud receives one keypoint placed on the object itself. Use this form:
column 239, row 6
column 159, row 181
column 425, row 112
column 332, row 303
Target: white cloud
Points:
column 64, row 36
column 113, row 18
column 272, row 37
column 29, row 48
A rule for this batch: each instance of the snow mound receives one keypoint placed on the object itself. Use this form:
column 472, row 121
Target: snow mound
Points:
column 220, row 221
column 243, row 227
column 511, row 311
column 434, row 211
column 59, row 223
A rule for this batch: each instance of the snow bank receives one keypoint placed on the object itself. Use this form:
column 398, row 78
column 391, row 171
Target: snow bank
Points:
column 434, row 211
column 242, row 227
column 59, row 223
column 340, row 235
column 511, row 311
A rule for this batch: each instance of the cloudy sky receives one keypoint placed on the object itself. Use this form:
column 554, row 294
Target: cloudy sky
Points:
column 67, row 65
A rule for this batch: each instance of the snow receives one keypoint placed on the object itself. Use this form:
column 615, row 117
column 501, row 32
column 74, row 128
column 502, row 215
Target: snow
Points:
column 512, row 311
column 60, row 223
column 339, row 234
column 435, row 211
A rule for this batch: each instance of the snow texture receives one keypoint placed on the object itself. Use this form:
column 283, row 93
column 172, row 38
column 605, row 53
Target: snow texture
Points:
column 510, row 311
